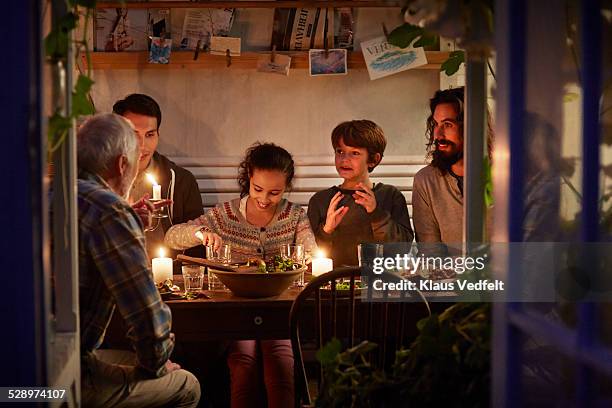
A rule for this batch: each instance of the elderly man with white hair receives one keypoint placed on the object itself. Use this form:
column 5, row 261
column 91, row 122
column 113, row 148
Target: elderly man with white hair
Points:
column 114, row 273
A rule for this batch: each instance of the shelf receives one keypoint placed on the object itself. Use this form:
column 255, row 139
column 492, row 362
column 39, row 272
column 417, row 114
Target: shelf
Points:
column 250, row 4
column 184, row 60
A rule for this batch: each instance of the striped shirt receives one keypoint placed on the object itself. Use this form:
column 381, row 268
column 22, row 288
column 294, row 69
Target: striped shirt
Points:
column 114, row 272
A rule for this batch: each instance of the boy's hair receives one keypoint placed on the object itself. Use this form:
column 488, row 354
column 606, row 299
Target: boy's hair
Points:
column 361, row 133
column 140, row 104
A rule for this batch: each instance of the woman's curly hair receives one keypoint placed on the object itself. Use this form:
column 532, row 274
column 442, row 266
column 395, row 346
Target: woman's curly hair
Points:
column 264, row 156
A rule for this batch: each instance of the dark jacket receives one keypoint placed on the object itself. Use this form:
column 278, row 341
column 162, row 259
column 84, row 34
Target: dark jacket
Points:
column 181, row 187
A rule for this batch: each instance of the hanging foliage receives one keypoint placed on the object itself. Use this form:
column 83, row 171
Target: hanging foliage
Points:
column 57, row 45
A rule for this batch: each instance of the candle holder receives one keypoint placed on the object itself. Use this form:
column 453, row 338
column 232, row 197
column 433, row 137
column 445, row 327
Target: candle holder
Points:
column 160, row 212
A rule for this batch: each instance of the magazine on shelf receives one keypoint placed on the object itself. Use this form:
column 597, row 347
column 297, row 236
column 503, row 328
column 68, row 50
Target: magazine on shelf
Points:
column 304, row 28
column 201, row 24
column 300, row 29
column 159, row 22
column 121, row 29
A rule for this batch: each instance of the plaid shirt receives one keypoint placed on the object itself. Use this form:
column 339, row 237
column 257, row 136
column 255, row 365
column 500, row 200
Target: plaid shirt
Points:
column 114, row 270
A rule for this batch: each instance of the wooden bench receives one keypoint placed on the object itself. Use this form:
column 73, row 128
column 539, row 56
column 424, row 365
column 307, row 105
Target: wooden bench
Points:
column 216, row 177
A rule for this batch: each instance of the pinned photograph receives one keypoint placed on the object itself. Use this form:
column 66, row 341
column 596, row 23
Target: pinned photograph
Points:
column 383, row 59
column 220, row 45
column 280, row 65
column 160, row 50
column 332, row 64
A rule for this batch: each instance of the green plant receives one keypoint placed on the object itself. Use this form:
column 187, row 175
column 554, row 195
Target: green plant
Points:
column 468, row 21
column 448, row 364
column 57, row 48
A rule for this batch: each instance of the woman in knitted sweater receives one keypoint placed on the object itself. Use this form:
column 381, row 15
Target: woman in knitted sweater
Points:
column 255, row 225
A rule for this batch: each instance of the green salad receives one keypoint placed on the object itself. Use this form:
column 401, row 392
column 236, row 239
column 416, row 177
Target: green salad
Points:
column 277, row 264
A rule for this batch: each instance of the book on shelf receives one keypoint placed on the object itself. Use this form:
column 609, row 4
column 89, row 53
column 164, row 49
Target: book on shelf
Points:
column 300, row 29
column 159, row 22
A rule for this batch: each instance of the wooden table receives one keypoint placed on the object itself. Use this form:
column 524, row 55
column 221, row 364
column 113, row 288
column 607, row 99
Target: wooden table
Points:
column 222, row 316
column 227, row 317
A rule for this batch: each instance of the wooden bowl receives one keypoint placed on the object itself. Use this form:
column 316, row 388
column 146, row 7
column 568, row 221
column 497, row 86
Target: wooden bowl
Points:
column 257, row 284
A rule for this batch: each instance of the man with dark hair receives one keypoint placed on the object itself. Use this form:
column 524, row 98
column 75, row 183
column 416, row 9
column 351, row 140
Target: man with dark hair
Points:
column 177, row 184
column 437, row 194
column 114, row 275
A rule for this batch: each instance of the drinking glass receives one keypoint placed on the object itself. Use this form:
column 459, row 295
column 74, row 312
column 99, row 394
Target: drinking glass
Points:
column 296, row 253
column 193, row 278
column 222, row 255
column 365, row 254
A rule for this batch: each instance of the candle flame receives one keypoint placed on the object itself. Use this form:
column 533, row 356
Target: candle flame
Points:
column 151, row 179
column 320, row 253
column 161, row 252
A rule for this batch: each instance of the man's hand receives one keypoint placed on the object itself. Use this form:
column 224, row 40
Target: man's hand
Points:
column 334, row 215
column 170, row 366
column 145, row 209
column 209, row 239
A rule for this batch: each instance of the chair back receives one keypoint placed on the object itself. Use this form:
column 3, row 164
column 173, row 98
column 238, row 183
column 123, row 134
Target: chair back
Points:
column 322, row 312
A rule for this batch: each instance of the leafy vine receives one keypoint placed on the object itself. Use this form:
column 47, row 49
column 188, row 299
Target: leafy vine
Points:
column 58, row 44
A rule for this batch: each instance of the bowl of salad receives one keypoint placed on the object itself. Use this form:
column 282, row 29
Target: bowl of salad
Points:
column 270, row 278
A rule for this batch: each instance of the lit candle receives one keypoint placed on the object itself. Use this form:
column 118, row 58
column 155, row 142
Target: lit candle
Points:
column 162, row 267
column 156, row 187
column 320, row 264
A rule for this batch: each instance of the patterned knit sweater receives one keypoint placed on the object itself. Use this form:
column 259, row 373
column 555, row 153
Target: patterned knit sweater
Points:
column 289, row 225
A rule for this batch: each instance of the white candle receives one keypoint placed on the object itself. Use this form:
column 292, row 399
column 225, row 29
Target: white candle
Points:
column 156, row 187
column 156, row 192
column 320, row 264
column 162, row 267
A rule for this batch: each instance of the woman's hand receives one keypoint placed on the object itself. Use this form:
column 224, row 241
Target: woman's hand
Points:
column 209, row 239
column 365, row 198
column 334, row 215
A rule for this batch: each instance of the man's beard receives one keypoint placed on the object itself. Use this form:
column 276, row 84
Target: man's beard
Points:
column 443, row 160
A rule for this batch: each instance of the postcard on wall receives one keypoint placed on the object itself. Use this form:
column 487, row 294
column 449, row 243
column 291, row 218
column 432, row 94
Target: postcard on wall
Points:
column 383, row 59
column 160, row 50
column 334, row 63
column 220, row 45
column 121, row 29
column 201, row 24
column 280, row 65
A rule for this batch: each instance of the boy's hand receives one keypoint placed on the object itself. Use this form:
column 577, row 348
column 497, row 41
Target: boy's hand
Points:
column 365, row 199
column 334, row 216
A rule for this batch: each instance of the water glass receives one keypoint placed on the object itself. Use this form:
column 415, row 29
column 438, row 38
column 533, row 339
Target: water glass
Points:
column 214, row 283
column 296, row 253
column 221, row 255
column 365, row 254
column 193, row 278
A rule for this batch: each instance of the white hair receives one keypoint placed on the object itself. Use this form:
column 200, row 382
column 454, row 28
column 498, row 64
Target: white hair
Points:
column 103, row 138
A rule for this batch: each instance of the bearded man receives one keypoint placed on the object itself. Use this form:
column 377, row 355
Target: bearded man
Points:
column 437, row 195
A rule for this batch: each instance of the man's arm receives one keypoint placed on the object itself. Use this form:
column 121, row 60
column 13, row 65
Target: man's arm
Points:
column 118, row 250
column 425, row 225
column 190, row 200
